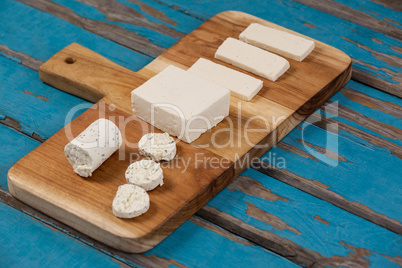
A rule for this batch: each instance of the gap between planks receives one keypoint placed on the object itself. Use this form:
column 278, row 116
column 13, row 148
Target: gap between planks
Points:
column 116, row 33
column 355, row 16
column 15, row 125
column 140, row 259
column 316, row 189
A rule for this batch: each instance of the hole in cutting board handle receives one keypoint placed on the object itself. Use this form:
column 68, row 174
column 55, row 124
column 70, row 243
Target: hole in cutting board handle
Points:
column 70, row 60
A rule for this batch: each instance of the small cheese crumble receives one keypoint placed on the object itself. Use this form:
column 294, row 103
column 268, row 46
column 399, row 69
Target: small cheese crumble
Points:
column 145, row 173
column 130, row 201
column 157, row 146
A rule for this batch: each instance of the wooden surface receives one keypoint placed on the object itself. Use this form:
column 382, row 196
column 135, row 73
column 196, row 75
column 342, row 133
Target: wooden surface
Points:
column 133, row 33
column 44, row 179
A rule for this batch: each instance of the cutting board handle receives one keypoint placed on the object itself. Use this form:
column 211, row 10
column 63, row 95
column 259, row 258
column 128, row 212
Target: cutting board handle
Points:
column 86, row 74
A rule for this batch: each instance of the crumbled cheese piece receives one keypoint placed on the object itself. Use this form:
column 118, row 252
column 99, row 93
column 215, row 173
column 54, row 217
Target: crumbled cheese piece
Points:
column 157, row 146
column 145, row 173
column 130, row 201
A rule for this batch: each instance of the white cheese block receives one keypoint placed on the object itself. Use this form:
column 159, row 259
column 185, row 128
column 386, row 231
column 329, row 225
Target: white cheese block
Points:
column 145, row 173
column 93, row 146
column 157, row 146
column 241, row 85
column 130, row 201
column 277, row 41
column 181, row 103
column 252, row 59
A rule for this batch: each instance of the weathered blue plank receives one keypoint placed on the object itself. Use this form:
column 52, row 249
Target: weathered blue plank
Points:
column 13, row 146
column 193, row 246
column 48, row 34
column 306, row 220
column 383, row 118
column 379, row 11
column 39, row 108
column 26, row 242
column 373, row 113
column 180, row 21
column 374, row 93
column 93, row 14
column 357, row 41
column 152, row 28
column 375, row 53
column 363, row 173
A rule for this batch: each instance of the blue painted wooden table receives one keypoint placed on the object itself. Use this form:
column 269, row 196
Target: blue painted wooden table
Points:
column 329, row 194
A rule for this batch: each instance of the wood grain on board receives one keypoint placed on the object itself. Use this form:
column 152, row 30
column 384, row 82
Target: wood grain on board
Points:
column 45, row 180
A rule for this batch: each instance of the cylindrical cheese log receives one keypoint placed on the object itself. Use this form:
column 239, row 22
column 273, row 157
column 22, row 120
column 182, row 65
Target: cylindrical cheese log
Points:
column 93, row 146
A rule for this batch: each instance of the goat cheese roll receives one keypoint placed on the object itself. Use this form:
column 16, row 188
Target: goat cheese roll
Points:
column 93, row 146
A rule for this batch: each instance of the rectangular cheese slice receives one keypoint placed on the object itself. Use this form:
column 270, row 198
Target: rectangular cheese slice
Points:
column 277, row 41
column 252, row 59
column 241, row 85
column 181, row 103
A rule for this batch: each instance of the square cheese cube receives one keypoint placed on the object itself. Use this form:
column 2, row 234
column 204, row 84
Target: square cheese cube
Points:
column 252, row 59
column 181, row 103
column 241, row 85
column 277, row 41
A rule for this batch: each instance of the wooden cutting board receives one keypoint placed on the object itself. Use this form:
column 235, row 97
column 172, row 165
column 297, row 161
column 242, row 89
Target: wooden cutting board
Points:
column 45, row 180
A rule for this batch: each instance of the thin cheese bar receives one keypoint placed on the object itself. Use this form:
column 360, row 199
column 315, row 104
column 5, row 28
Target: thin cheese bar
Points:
column 181, row 103
column 277, row 41
column 241, row 85
column 252, row 59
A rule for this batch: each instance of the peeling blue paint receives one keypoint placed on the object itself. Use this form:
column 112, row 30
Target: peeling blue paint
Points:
column 13, row 146
column 362, row 178
column 52, row 34
column 194, row 246
column 25, row 242
column 185, row 22
column 299, row 212
column 92, row 13
column 17, row 60
column 331, row 28
column 373, row 114
column 33, row 114
column 376, row 10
